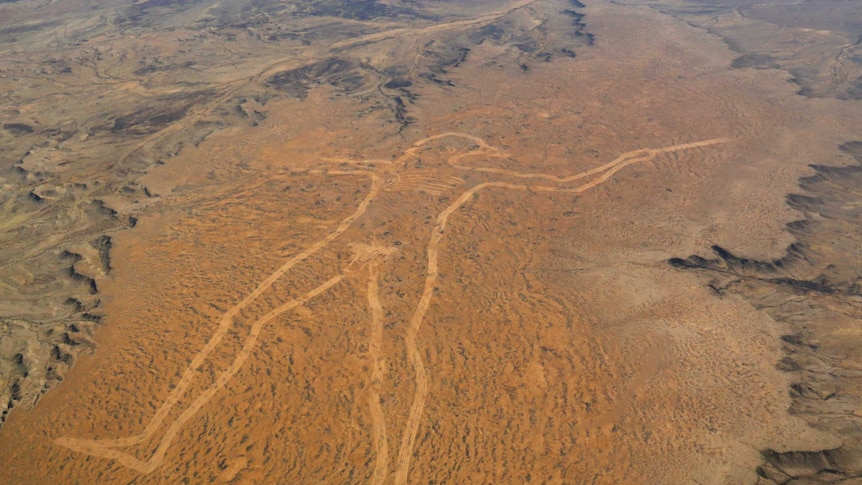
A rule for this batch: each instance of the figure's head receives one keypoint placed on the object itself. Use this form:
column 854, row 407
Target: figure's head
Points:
column 447, row 149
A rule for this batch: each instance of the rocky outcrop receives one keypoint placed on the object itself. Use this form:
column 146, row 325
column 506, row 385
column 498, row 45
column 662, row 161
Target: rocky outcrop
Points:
column 816, row 290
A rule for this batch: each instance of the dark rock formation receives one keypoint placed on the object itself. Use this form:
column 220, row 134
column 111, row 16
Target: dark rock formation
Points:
column 816, row 290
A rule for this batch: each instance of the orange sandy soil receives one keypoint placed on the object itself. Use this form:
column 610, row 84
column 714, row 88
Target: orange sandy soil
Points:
column 556, row 344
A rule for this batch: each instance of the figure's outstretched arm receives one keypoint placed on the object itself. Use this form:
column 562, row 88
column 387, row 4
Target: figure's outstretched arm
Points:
column 607, row 170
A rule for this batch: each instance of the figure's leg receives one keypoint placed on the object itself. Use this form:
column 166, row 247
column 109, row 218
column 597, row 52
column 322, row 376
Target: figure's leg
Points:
column 375, row 343
column 100, row 449
column 103, row 447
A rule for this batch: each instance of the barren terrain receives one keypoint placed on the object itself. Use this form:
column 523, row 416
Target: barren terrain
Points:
column 403, row 242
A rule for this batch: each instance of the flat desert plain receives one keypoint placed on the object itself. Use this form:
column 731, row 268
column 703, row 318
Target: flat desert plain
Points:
column 431, row 242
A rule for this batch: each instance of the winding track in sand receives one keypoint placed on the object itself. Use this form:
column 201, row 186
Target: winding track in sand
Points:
column 408, row 437
column 104, row 448
column 88, row 446
column 381, row 444
column 95, row 448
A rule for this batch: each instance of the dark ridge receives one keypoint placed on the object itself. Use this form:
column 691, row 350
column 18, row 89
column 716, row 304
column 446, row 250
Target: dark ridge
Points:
column 146, row 69
column 334, row 71
column 103, row 245
column 156, row 114
column 854, row 91
column 76, row 303
column 75, row 275
column 853, row 148
column 461, row 57
column 824, row 172
column 358, row 10
column 148, row 121
column 727, row 262
column 798, row 340
column 289, row 36
column 348, row 78
column 98, row 207
column 575, row 15
column 577, row 22
column 824, row 384
column 398, row 102
column 402, row 118
column 757, row 61
column 744, row 268
column 446, row 58
column 430, row 76
column 528, row 47
column 59, row 355
column 23, row 29
column 149, row 11
column 801, row 202
column 160, row 3
column 18, row 128
column 818, row 285
column 798, row 226
column 826, row 465
column 398, row 83
column 492, row 32
column 91, row 317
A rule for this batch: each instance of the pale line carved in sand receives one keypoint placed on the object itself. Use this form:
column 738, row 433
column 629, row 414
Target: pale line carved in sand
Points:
column 96, row 448
column 105, row 447
column 408, row 437
column 88, row 446
column 375, row 343
column 362, row 254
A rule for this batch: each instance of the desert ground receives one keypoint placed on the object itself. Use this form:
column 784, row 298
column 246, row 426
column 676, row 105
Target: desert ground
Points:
column 430, row 242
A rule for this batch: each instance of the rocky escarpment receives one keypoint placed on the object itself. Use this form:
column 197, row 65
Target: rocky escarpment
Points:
column 768, row 36
column 49, row 319
column 525, row 37
column 816, row 290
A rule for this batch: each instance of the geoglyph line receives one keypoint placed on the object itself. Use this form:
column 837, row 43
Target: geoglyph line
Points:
column 227, row 319
column 624, row 159
column 408, row 437
column 96, row 448
column 381, row 445
column 104, row 448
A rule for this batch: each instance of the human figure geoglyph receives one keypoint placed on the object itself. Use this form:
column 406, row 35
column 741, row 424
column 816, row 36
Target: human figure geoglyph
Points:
column 388, row 178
